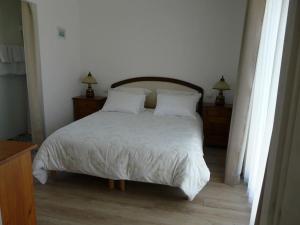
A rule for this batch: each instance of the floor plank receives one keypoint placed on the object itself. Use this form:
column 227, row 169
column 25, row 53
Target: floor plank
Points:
column 78, row 199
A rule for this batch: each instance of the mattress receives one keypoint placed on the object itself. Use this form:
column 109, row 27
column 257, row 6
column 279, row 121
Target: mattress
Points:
column 122, row 146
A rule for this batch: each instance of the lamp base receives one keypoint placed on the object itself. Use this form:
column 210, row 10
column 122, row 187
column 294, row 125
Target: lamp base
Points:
column 90, row 93
column 220, row 99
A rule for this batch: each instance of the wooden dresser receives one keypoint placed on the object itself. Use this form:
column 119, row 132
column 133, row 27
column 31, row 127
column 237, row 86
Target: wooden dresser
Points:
column 84, row 106
column 216, row 124
column 16, row 184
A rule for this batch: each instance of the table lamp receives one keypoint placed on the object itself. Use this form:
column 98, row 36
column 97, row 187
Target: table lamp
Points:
column 89, row 79
column 221, row 85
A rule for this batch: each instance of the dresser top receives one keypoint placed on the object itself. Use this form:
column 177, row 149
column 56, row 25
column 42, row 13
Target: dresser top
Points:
column 11, row 149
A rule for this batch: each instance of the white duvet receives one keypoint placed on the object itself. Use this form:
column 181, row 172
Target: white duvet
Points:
column 122, row 146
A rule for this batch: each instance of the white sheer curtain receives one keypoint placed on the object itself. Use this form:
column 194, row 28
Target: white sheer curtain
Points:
column 263, row 99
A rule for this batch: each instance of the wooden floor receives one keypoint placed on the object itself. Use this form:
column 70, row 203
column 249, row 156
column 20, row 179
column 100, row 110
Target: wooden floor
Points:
column 76, row 199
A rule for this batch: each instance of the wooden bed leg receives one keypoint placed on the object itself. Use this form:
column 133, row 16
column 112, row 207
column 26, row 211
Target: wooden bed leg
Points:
column 111, row 184
column 122, row 185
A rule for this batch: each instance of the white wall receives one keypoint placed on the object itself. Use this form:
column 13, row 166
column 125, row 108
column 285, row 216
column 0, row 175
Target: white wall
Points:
column 193, row 40
column 60, row 59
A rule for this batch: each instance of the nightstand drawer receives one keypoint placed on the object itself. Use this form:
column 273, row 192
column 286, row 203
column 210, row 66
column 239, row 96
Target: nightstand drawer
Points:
column 85, row 106
column 218, row 111
column 217, row 129
column 217, row 120
column 84, row 112
column 216, row 124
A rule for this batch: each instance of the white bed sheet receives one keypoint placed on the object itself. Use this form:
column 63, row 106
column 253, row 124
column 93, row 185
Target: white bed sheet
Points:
column 157, row 149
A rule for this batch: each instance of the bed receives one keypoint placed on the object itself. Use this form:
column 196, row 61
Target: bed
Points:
column 122, row 146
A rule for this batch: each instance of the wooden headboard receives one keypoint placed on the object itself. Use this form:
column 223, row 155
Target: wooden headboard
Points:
column 154, row 83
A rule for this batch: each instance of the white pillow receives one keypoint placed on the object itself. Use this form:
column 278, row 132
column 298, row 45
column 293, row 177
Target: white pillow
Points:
column 177, row 92
column 177, row 105
column 118, row 101
column 134, row 90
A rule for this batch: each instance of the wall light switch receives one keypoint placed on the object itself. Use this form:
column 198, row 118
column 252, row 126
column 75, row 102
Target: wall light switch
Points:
column 61, row 32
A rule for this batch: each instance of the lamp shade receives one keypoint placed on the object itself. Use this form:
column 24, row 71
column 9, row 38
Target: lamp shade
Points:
column 89, row 79
column 222, row 85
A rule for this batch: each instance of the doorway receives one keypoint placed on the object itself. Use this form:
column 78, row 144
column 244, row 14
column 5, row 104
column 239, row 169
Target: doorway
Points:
column 21, row 105
column 14, row 111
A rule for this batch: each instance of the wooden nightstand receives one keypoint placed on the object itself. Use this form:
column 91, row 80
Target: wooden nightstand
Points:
column 84, row 106
column 216, row 124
